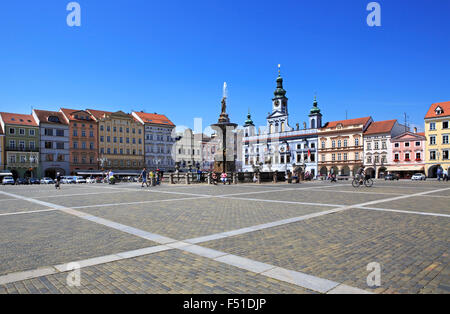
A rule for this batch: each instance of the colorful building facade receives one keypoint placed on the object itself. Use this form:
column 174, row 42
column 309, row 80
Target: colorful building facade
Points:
column 21, row 144
column 53, row 144
column 158, row 141
column 378, row 146
column 83, row 141
column 121, row 141
column 341, row 146
column 437, row 132
column 408, row 154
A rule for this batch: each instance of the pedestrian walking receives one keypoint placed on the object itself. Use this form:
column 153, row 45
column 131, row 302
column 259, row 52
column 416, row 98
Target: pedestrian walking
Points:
column 143, row 176
column 445, row 175
column 439, row 174
column 152, row 178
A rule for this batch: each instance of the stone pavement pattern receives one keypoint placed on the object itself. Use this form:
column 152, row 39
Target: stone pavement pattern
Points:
column 412, row 246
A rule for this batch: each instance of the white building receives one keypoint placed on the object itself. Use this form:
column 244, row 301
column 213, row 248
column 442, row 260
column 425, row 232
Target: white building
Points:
column 282, row 148
column 158, row 141
column 53, row 143
column 378, row 146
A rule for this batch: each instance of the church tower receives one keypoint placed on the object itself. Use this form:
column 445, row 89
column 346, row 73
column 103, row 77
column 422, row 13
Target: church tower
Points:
column 249, row 126
column 315, row 117
column 277, row 121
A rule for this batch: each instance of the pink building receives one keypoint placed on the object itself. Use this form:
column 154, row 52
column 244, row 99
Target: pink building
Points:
column 408, row 154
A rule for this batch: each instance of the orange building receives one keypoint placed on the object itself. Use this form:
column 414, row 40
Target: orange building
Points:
column 341, row 146
column 83, row 139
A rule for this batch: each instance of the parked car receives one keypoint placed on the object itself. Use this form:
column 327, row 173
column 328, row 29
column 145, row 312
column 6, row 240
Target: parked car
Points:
column 79, row 180
column 419, row 177
column 34, row 181
column 47, row 181
column 8, row 181
column 391, row 177
column 67, row 180
column 22, row 181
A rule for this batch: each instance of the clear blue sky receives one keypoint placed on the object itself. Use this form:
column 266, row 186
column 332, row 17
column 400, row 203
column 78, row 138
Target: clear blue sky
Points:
column 172, row 57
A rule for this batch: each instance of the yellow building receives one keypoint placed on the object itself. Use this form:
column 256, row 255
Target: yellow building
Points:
column 120, row 141
column 437, row 132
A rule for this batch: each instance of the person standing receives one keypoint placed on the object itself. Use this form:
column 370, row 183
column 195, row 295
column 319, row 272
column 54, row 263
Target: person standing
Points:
column 445, row 175
column 143, row 176
column 152, row 178
column 58, row 181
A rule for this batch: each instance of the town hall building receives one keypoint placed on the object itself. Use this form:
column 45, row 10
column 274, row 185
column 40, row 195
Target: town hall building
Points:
column 281, row 147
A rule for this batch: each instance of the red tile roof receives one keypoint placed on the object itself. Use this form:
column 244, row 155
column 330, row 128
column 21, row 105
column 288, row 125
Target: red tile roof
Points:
column 154, row 118
column 18, row 119
column 98, row 114
column 358, row 121
column 44, row 115
column 432, row 111
column 380, row 127
column 70, row 114
column 421, row 134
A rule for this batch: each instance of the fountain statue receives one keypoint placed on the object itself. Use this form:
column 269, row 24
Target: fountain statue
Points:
column 225, row 158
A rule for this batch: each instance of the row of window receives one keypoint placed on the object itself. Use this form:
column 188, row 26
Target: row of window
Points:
column 21, row 144
column 52, row 145
column 23, row 159
column 407, row 144
column 83, row 160
column 119, row 151
column 127, row 140
column 340, row 157
column 83, row 145
column 407, row 157
column 445, row 125
column 51, row 157
column 13, row 131
column 377, row 145
column 434, row 155
column 160, row 138
column 121, row 129
column 376, row 159
column 83, row 133
column 444, row 139
column 54, row 132
column 340, row 143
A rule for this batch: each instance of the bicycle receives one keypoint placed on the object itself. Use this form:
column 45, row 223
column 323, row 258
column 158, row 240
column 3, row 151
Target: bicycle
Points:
column 368, row 182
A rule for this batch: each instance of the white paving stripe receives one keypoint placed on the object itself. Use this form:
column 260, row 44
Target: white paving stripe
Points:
column 297, row 278
column 405, row 211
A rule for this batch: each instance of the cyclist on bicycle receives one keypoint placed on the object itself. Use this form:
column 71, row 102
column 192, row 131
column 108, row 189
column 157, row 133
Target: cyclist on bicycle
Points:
column 361, row 174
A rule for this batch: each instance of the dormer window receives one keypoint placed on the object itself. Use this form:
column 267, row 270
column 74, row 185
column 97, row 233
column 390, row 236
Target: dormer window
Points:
column 439, row 111
column 53, row 119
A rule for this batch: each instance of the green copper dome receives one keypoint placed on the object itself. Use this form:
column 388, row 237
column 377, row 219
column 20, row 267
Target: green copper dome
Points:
column 315, row 109
column 280, row 92
column 249, row 121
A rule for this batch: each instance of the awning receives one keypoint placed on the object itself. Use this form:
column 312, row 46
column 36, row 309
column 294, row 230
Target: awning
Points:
column 406, row 168
column 5, row 173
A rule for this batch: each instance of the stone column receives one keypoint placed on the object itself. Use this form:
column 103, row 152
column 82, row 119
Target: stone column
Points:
column 209, row 178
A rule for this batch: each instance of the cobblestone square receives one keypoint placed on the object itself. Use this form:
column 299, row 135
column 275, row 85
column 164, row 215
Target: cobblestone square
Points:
column 248, row 238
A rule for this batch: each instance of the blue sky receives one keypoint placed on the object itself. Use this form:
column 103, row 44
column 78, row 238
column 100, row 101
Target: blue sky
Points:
column 172, row 57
